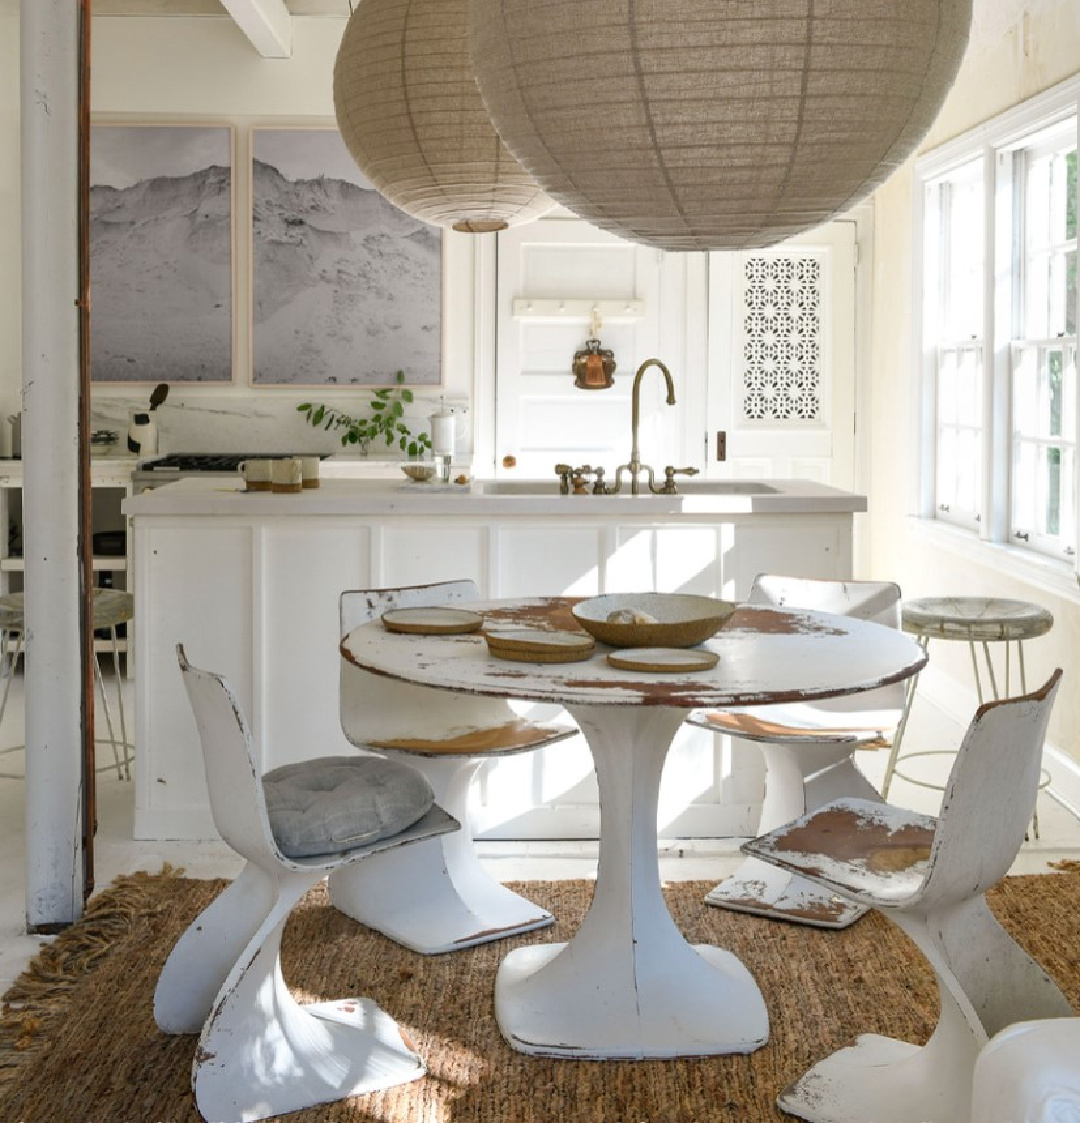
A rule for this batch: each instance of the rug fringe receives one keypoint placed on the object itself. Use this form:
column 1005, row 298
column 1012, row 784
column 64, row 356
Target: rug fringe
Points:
column 43, row 991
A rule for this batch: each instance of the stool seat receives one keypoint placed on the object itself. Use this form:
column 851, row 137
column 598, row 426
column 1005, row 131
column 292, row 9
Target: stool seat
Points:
column 111, row 608
column 982, row 619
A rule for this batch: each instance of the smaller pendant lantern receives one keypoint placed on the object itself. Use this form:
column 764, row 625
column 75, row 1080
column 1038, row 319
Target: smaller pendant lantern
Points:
column 594, row 368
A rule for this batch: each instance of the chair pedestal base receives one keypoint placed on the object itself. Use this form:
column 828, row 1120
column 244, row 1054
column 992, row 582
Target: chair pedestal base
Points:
column 433, row 897
column 764, row 890
column 884, row 1080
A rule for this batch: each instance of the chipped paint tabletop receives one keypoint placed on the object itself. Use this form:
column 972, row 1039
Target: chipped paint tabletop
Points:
column 765, row 655
column 627, row 985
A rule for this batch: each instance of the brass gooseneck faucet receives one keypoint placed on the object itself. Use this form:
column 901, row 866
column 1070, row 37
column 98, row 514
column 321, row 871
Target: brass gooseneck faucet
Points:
column 635, row 467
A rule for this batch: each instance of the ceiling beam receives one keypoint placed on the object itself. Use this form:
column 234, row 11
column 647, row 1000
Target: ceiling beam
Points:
column 267, row 23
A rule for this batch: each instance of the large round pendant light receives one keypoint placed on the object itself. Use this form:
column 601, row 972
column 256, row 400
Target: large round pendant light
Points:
column 411, row 115
column 714, row 124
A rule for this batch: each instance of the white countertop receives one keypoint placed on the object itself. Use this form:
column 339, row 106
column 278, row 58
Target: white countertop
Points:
column 221, row 497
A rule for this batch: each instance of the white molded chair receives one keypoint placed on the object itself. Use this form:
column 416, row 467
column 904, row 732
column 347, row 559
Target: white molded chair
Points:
column 261, row 1053
column 807, row 748
column 1029, row 1073
column 435, row 897
column 930, row 877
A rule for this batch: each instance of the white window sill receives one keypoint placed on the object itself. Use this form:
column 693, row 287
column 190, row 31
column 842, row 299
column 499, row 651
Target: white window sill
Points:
column 1058, row 578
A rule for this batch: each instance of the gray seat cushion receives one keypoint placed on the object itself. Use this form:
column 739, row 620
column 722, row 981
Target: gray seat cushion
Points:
column 338, row 803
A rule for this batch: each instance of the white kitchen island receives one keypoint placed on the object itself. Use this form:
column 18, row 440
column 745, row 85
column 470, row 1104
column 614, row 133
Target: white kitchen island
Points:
column 249, row 582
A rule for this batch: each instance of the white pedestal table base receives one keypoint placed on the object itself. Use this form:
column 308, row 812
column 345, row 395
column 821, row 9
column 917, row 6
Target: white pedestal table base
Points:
column 628, row 985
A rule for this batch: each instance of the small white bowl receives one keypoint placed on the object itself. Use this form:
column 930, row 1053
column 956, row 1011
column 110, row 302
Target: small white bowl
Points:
column 421, row 473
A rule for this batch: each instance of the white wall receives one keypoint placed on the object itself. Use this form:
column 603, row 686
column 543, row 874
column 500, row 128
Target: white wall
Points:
column 1017, row 50
column 202, row 70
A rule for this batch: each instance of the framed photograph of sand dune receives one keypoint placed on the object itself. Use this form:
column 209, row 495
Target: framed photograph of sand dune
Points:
column 161, row 253
column 346, row 288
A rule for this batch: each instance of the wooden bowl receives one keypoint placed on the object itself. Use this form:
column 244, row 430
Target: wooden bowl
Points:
column 421, row 473
column 682, row 619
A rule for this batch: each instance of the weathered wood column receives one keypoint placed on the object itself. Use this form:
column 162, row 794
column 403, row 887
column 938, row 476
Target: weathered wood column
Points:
column 50, row 33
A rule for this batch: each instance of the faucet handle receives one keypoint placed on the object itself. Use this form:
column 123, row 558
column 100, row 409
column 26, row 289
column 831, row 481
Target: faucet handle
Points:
column 670, row 472
column 563, row 472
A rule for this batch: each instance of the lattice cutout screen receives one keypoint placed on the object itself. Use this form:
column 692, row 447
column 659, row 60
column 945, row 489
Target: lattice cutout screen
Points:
column 782, row 324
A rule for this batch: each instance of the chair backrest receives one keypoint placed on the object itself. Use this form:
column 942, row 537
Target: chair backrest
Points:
column 375, row 708
column 990, row 796
column 233, row 780
column 876, row 601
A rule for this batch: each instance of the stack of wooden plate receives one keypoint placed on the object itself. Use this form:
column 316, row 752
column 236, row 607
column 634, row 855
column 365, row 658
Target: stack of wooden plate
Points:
column 532, row 645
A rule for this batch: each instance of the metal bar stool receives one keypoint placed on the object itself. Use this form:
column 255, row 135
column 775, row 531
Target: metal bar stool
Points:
column 979, row 622
column 112, row 608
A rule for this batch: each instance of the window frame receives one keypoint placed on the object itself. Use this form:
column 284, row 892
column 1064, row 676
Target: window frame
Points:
column 1001, row 144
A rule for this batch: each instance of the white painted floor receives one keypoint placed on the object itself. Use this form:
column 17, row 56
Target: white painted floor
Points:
column 116, row 853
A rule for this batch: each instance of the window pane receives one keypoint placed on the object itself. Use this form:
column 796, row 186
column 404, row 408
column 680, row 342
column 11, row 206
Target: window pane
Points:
column 1051, row 521
column 1050, row 241
column 1055, row 389
column 963, row 266
column 947, row 393
column 946, row 467
column 969, row 389
column 967, row 474
column 1025, row 396
column 1024, row 488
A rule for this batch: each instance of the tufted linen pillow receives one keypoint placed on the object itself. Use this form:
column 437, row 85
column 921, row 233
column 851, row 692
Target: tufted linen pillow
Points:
column 338, row 803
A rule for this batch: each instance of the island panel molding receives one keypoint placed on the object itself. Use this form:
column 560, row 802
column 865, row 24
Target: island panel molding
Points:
column 346, row 289
column 161, row 253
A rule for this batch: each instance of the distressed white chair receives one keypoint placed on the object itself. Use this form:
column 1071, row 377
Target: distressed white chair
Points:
column 930, row 877
column 261, row 1053
column 807, row 748
column 435, row 897
column 1029, row 1073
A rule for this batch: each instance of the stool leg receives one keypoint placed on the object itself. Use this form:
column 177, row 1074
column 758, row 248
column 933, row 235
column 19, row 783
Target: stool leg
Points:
column 990, row 672
column 120, row 703
column 898, row 736
column 108, row 717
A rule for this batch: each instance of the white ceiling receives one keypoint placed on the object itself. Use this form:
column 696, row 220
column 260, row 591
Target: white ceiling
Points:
column 990, row 18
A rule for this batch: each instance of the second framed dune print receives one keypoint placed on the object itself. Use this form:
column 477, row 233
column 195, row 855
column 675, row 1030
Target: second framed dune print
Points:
column 346, row 288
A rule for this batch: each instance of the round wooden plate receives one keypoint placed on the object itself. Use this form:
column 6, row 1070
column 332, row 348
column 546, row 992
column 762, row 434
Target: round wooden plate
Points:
column 533, row 645
column 433, row 621
column 671, row 660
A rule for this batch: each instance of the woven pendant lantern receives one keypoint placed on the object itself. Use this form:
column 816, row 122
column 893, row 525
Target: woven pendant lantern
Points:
column 411, row 115
column 714, row 124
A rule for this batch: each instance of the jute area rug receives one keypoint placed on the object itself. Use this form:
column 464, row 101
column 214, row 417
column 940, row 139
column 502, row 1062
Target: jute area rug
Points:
column 78, row 1042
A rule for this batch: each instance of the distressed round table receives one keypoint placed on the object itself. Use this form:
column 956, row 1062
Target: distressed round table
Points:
column 975, row 621
column 628, row 985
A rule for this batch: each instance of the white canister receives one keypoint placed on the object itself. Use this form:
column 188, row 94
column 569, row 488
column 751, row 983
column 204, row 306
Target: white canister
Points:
column 442, row 432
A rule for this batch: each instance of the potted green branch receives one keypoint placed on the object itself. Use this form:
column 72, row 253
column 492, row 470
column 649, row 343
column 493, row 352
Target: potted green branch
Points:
column 386, row 421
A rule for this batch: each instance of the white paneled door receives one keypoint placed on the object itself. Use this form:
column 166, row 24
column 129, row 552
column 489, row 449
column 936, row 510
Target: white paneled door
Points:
column 782, row 359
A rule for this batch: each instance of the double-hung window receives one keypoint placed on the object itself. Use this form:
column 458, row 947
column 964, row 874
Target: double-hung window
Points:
column 1043, row 347
column 997, row 221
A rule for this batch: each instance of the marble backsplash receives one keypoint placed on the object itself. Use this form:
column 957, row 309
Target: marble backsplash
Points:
column 208, row 422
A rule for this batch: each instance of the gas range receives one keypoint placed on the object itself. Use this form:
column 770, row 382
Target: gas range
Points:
column 182, row 465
